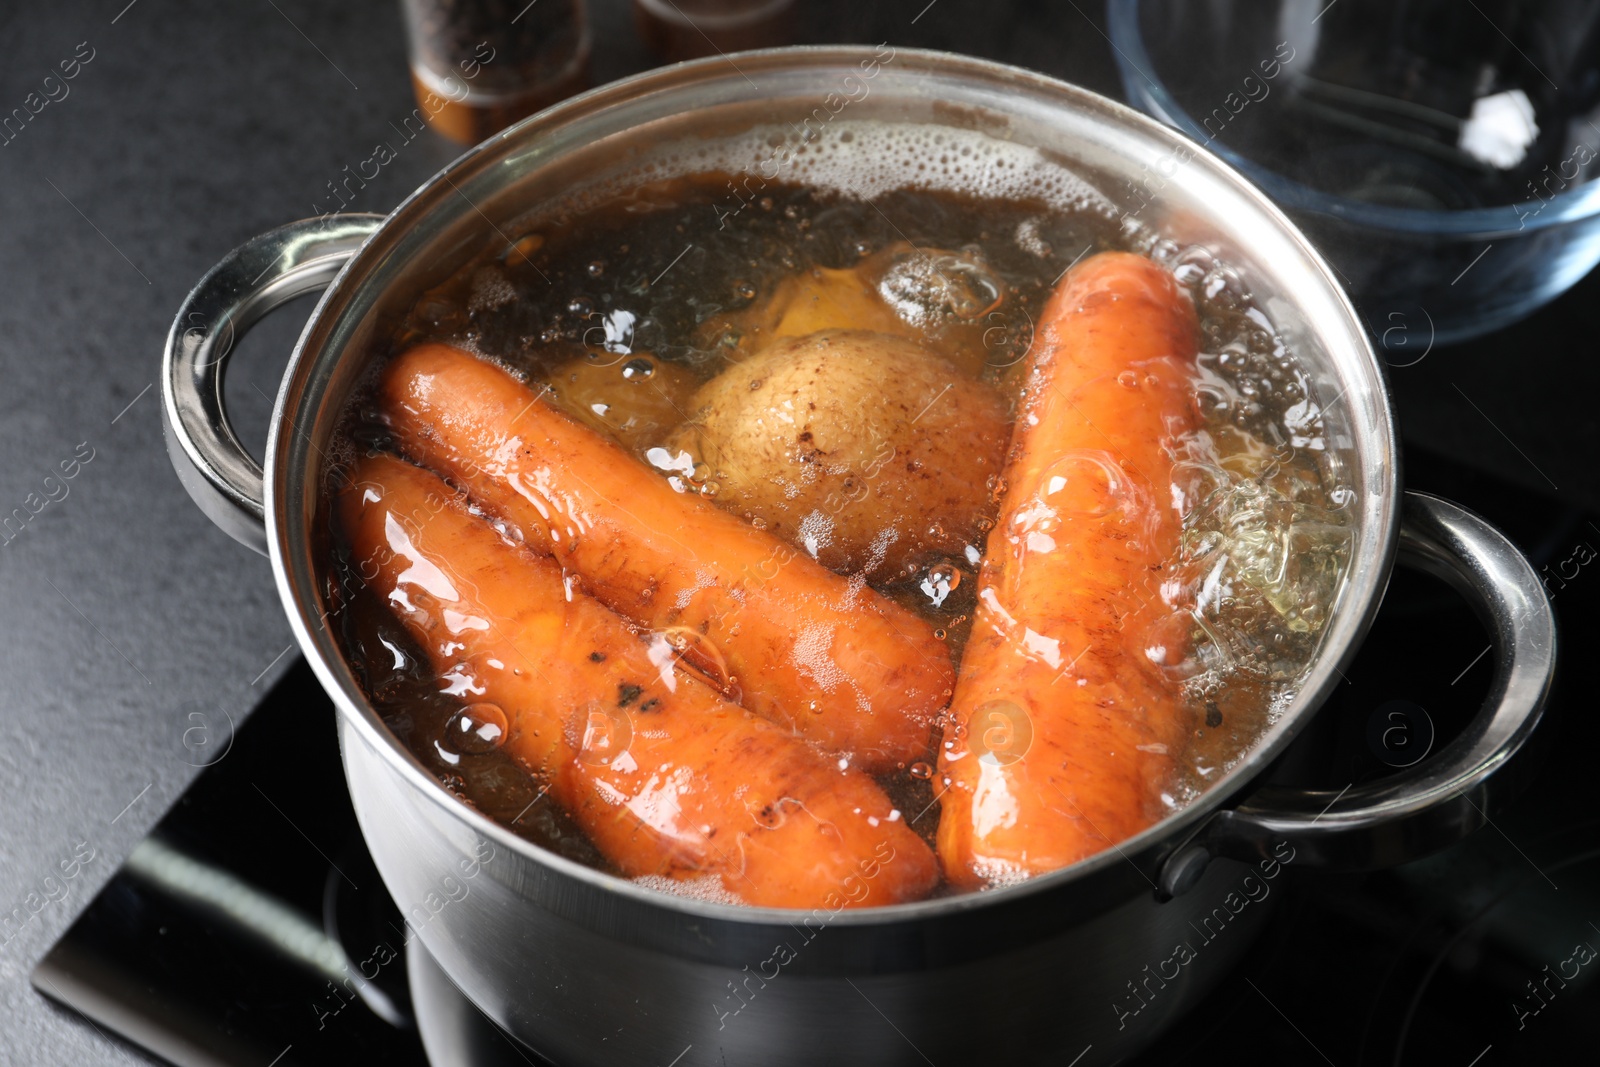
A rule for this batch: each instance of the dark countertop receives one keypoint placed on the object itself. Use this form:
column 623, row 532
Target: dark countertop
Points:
column 129, row 619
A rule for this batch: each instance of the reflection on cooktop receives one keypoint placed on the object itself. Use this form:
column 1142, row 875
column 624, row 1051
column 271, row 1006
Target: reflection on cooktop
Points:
column 251, row 928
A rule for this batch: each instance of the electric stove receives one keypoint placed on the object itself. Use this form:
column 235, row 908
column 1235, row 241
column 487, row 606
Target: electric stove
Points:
column 250, row 928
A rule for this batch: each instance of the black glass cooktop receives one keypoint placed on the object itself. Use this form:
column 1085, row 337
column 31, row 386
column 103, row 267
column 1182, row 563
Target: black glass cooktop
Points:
column 251, row 929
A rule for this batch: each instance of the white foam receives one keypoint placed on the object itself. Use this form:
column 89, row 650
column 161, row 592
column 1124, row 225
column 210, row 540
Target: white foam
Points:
column 490, row 289
column 998, row 873
column 707, row 888
column 865, row 158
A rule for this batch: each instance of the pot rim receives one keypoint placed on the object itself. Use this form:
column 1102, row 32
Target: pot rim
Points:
column 304, row 392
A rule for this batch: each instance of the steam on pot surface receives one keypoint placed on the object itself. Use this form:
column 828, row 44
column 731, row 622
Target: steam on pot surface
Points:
column 884, row 518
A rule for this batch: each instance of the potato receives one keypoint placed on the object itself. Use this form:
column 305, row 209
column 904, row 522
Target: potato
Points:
column 636, row 398
column 864, row 449
column 947, row 301
column 816, row 299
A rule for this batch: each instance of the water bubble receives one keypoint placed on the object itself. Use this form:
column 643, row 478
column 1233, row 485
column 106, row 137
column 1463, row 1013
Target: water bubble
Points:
column 596, row 268
column 1223, row 290
column 926, row 287
column 510, row 532
column 1192, row 265
column 637, row 370
column 1086, row 484
column 710, row 489
column 939, row 581
column 580, row 306
column 743, row 290
column 1260, row 567
column 476, row 729
column 1179, row 647
column 921, row 770
column 1165, row 250
column 601, row 733
column 939, row 634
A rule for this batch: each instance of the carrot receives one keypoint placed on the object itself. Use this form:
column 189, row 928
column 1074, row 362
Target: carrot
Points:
column 665, row 776
column 1062, row 735
column 827, row 657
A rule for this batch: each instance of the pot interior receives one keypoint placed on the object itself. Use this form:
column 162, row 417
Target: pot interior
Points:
column 863, row 121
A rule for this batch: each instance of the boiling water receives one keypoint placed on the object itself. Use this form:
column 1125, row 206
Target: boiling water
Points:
column 649, row 286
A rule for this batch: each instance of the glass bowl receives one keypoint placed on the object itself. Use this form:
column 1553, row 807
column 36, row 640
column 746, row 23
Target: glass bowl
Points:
column 1439, row 158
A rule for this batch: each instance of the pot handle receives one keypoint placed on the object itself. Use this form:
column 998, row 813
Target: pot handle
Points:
column 1445, row 796
column 259, row 275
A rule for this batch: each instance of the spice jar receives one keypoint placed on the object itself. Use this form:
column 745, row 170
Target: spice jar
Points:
column 687, row 29
column 477, row 66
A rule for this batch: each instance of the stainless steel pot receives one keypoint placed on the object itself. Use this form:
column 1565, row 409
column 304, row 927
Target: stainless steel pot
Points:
column 591, row 969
